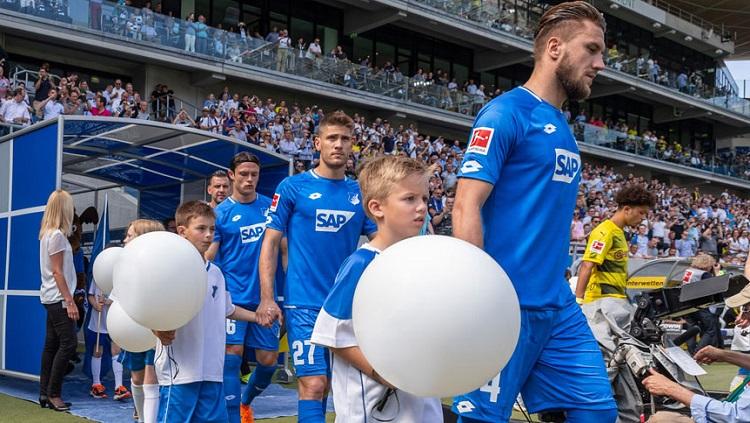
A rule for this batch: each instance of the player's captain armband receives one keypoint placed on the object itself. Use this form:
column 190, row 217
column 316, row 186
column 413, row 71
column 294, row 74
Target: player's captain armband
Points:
column 481, row 138
column 598, row 246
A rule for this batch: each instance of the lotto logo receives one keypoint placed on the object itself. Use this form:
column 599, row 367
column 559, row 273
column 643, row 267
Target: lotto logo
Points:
column 567, row 165
column 481, row 138
column 275, row 202
column 252, row 233
column 331, row 220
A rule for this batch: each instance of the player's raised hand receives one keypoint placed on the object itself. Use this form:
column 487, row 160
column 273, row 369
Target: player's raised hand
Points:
column 268, row 312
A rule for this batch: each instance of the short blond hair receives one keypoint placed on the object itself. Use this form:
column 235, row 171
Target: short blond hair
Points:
column 58, row 213
column 144, row 226
column 378, row 176
column 703, row 261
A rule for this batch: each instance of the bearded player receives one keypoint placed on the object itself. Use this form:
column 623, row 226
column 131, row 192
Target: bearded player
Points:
column 523, row 166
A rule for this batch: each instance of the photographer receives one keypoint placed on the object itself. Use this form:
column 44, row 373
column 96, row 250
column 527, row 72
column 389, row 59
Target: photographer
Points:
column 704, row 409
column 703, row 266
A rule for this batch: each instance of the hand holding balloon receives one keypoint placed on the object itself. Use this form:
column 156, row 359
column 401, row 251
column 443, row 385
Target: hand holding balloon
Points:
column 402, row 327
column 166, row 337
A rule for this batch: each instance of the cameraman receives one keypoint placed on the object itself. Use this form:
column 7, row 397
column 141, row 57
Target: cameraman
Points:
column 702, row 408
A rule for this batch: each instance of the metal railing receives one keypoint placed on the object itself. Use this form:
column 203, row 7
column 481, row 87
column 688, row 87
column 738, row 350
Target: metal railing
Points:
column 520, row 17
column 8, row 128
column 724, row 163
column 143, row 26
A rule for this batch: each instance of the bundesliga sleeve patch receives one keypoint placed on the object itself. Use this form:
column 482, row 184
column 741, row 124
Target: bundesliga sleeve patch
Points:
column 275, row 202
column 597, row 247
column 481, row 138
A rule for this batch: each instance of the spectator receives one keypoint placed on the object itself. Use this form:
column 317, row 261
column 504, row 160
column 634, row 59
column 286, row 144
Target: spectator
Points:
column 16, row 111
column 685, row 246
column 4, row 84
column 238, row 131
column 190, row 28
column 141, row 112
column 51, row 106
column 442, row 222
column 101, row 107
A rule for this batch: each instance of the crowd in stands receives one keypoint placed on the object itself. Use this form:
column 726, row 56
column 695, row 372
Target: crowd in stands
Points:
column 683, row 223
column 68, row 95
column 620, row 136
column 282, row 51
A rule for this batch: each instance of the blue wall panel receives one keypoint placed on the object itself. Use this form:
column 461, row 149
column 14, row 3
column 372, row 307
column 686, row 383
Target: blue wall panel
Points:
column 24, row 258
column 24, row 334
column 34, row 167
column 3, row 247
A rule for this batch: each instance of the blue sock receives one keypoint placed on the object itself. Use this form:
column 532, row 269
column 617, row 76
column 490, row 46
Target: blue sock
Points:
column 324, row 403
column 232, row 386
column 259, row 381
column 309, row 412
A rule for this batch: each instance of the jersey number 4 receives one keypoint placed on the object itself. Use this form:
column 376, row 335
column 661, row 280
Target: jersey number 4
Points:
column 492, row 388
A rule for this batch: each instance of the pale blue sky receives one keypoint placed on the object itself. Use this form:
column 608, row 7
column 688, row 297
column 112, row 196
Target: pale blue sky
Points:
column 740, row 70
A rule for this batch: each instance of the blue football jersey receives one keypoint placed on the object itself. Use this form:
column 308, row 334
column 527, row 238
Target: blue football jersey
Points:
column 323, row 220
column 338, row 305
column 240, row 228
column 522, row 145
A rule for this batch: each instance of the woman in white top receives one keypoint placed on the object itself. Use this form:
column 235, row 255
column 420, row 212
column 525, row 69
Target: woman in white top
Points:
column 56, row 294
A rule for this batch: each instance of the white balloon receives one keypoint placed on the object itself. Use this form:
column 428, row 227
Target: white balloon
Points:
column 161, row 280
column 126, row 333
column 436, row 316
column 104, row 266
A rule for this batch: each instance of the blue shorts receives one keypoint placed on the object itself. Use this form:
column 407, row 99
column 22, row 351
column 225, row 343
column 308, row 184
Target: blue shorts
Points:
column 192, row 402
column 252, row 335
column 136, row 361
column 557, row 365
column 308, row 359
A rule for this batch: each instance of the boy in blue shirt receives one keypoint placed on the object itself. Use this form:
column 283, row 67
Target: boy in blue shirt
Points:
column 394, row 191
column 320, row 212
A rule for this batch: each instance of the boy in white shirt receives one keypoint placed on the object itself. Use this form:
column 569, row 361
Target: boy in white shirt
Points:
column 190, row 361
column 394, row 191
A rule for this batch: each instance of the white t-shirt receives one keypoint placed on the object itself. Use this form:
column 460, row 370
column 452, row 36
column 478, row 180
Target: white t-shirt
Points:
column 197, row 353
column 52, row 243
column 94, row 320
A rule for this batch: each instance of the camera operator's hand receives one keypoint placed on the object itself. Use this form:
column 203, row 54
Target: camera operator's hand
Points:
column 708, row 355
column 658, row 384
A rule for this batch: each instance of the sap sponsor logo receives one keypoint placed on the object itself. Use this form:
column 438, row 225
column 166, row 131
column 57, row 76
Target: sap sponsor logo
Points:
column 550, row 128
column 315, row 196
column 331, row 220
column 236, row 217
column 252, row 233
column 481, row 138
column 471, row 166
column 567, row 165
column 275, row 201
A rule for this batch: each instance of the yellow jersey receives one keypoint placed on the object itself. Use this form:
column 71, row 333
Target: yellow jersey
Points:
column 608, row 250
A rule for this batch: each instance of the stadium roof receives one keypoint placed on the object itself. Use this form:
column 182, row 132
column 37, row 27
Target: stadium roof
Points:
column 734, row 15
column 102, row 152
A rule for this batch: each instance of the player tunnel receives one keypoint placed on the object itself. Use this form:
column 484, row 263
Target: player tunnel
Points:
column 146, row 168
